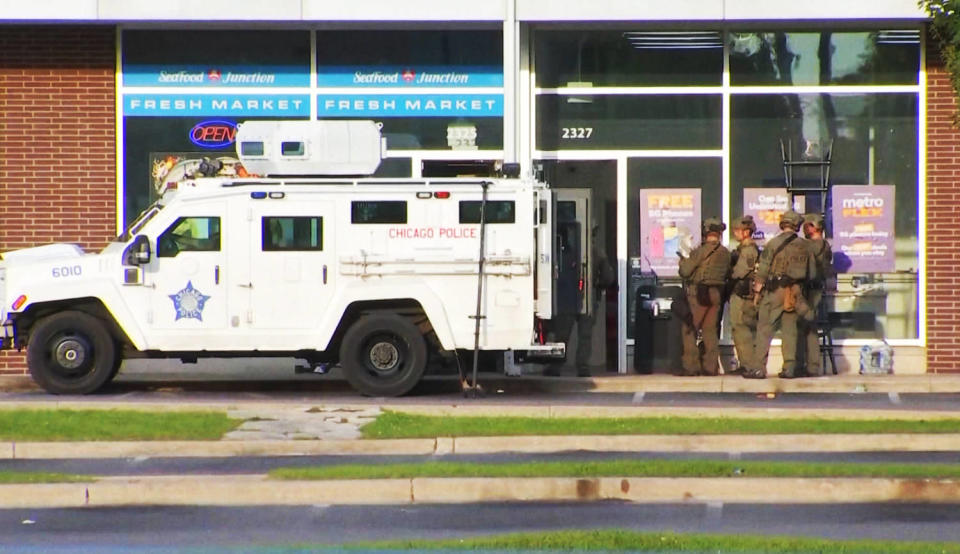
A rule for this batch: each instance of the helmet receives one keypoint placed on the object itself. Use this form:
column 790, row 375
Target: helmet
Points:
column 745, row 222
column 713, row 225
column 815, row 219
column 791, row 218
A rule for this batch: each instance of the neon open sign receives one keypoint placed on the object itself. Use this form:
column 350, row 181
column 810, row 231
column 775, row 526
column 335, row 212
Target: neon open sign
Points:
column 213, row 134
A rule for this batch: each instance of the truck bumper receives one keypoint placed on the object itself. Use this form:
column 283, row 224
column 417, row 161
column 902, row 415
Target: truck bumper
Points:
column 541, row 353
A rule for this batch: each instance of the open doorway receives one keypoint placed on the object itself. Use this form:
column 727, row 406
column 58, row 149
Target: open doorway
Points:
column 587, row 191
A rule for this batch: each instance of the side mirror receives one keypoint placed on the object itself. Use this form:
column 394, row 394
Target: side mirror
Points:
column 137, row 252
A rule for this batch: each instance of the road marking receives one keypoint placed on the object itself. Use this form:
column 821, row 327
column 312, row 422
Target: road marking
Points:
column 714, row 510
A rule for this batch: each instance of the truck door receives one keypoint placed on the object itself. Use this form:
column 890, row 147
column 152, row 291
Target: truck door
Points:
column 187, row 280
column 573, row 256
column 291, row 264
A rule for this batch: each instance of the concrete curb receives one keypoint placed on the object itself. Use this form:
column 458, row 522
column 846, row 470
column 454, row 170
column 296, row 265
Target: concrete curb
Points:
column 253, row 490
column 469, row 408
column 900, row 442
column 214, row 449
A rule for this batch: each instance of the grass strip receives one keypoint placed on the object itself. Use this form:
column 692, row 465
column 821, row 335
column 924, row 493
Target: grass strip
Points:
column 17, row 477
column 622, row 540
column 111, row 425
column 395, row 425
column 621, row 468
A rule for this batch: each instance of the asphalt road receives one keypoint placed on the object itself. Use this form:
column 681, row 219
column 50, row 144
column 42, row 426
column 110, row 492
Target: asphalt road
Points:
column 247, row 528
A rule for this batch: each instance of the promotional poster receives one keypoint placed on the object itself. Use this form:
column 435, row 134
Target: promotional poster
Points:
column 669, row 223
column 863, row 237
column 766, row 205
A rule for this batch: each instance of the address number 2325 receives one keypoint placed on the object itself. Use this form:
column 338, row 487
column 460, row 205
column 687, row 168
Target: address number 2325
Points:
column 576, row 132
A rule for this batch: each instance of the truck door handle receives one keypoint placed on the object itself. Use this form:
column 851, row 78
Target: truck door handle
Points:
column 324, row 274
column 246, row 285
column 216, row 275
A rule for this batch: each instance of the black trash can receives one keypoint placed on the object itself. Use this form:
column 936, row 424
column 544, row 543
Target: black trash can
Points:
column 656, row 344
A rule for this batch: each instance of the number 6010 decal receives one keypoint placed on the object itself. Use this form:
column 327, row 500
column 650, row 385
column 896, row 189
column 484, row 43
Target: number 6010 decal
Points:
column 66, row 271
column 576, row 132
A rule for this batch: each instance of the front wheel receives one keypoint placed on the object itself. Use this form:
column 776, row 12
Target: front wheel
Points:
column 71, row 353
column 383, row 355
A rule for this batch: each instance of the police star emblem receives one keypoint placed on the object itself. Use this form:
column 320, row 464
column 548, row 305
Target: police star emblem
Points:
column 188, row 302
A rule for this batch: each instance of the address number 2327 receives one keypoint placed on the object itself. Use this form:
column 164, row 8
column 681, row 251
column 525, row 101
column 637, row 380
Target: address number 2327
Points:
column 576, row 132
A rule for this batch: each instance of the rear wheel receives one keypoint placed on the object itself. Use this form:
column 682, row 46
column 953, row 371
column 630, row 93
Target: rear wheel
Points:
column 383, row 355
column 71, row 353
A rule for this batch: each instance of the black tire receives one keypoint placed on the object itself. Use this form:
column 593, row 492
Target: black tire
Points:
column 383, row 355
column 117, row 362
column 71, row 353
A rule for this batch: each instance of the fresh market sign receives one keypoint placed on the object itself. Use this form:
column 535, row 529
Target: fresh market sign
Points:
column 234, row 105
column 409, row 105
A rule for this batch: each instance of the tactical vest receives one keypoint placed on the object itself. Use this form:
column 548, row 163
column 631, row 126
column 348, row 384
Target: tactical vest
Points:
column 792, row 261
column 820, row 254
column 713, row 270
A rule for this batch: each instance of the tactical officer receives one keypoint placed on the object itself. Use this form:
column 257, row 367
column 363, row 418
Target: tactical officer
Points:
column 562, row 324
column 785, row 266
column 743, row 307
column 704, row 275
column 823, row 258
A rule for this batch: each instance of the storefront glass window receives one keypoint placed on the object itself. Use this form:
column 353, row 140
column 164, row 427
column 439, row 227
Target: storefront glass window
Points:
column 184, row 92
column 662, row 121
column 874, row 141
column 674, row 223
column 824, row 58
column 628, row 58
column 216, row 51
column 431, row 89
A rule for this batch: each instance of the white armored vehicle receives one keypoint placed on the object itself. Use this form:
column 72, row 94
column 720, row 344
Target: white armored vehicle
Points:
column 374, row 274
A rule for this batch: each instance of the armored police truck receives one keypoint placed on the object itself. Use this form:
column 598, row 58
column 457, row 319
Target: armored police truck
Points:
column 307, row 260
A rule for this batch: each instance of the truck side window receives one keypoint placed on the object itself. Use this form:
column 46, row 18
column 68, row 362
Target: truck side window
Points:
column 496, row 211
column 252, row 148
column 190, row 234
column 287, row 233
column 378, row 211
column 292, row 148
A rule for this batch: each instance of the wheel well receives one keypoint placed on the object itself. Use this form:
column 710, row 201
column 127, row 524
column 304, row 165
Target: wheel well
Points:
column 406, row 307
column 89, row 305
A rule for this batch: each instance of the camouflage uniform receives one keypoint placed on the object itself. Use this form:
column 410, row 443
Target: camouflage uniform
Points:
column 823, row 258
column 704, row 274
column 743, row 311
column 783, row 272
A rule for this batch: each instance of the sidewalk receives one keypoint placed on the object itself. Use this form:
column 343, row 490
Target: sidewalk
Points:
column 629, row 383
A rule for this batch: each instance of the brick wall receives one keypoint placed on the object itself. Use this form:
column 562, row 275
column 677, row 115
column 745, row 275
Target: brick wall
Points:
column 57, row 139
column 943, row 199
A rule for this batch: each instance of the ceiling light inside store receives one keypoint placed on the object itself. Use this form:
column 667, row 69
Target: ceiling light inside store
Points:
column 579, row 100
column 665, row 40
column 911, row 36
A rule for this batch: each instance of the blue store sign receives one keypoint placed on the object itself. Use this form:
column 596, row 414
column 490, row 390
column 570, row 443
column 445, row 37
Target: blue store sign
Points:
column 410, row 76
column 222, row 75
column 233, row 105
column 409, row 105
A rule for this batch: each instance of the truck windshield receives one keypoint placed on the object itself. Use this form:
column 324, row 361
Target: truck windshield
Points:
column 138, row 223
